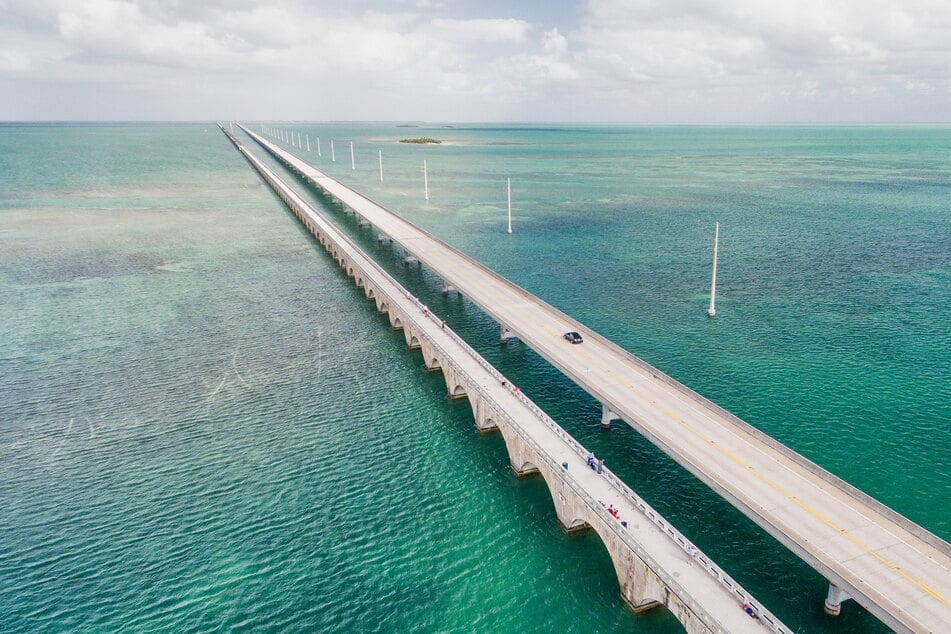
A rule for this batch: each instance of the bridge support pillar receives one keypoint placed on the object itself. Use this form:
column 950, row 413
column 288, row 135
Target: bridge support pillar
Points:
column 447, row 288
column 834, row 600
column 383, row 238
column 362, row 222
column 483, row 414
column 607, row 415
column 505, row 334
column 409, row 258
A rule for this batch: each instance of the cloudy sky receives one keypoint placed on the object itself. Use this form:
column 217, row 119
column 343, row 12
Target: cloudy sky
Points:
column 477, row 60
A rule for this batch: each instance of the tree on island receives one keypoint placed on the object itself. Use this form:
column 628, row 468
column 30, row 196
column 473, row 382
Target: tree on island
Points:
column 422, row 139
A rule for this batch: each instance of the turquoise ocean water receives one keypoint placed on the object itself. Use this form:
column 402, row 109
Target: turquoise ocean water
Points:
column 205, row 427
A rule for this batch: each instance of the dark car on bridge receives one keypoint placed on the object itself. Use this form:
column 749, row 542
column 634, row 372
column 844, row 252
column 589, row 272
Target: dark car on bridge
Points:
column 573, row 337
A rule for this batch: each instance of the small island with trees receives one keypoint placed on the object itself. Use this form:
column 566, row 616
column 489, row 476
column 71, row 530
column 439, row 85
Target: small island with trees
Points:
column 422, row 139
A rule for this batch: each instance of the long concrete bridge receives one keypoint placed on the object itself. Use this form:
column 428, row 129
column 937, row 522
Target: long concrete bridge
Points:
column 896, row 569
column 655, row 564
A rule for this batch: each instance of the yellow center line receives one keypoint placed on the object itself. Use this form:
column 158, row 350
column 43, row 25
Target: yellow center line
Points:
column 768, row 481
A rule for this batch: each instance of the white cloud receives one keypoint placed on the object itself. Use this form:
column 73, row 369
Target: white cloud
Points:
column 618, row 59
column 464, row 31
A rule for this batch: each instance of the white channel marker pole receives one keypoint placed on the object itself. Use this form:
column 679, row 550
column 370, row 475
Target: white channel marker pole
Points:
column 308, row 142
column 318, row 147
column 380, row 153
column 425, row 181
column 510, row 203
column 333, row 155
column 353, row 165
column 713, row 283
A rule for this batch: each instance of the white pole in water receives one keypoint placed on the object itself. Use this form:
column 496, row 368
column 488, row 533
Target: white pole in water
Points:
column 333, row 155
column 510, row 204
column 298, row 140
column 318, row 147
column 380, row 153
column 308, row 143
column 425, row 181
column 353, row 165
column 713, row 283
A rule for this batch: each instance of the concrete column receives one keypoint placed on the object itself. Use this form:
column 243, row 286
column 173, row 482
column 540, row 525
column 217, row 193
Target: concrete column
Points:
column 409, row 258
column 483, row 414
column 570, row 510
column 430, row 358
column 412, row 338
column 607, row 416
column 834, row 600
column 505, row 334
column 641, row 589
column 521, row 457
column 447, row 288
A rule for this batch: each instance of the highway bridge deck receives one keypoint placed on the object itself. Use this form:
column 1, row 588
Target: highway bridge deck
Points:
column 895, row 568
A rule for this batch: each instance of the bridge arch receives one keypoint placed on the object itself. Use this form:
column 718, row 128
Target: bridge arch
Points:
column 521, row 458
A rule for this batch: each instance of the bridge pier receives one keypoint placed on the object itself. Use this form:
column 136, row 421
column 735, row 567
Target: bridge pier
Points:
column 505, row 334
column 833, row 603
column 607, row 415
column 570, row 509
column 412, row 340
column 483, row 414
column 409, row 258
column 521, row 456
column 447, row 287
column 430, row 358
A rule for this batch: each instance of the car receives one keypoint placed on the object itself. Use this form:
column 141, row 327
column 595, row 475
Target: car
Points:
column 573, row 337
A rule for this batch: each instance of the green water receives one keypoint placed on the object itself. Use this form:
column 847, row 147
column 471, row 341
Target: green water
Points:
column 204, row 426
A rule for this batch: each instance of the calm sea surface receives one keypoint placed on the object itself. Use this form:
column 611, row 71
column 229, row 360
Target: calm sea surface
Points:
column 205, row 427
